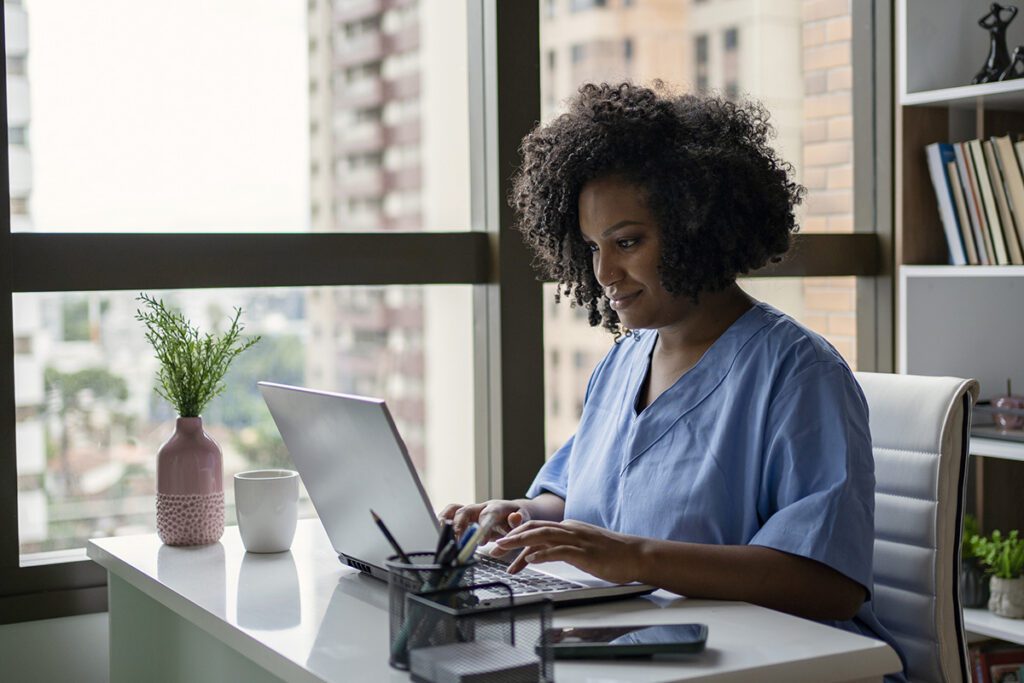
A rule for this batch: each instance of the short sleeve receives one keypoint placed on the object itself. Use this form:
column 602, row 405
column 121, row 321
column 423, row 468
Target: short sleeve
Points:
column 816, row 497
column 553, row 477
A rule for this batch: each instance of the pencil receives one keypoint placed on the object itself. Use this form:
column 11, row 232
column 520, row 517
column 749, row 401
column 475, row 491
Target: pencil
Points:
column 391, row 539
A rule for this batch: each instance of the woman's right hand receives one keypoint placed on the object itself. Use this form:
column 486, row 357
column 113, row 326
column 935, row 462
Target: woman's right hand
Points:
column 503, row 515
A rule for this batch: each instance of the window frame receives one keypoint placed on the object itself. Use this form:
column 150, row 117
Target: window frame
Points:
column 508, row 364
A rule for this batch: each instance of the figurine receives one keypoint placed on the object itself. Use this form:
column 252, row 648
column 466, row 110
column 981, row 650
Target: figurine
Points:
column 1016, row 68
column 998, row 56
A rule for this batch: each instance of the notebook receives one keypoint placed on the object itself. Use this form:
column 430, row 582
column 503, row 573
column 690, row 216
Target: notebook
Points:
column 352, row 459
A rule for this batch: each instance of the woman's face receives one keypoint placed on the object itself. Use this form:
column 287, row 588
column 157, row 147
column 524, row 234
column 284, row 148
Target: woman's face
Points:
column 626, row 245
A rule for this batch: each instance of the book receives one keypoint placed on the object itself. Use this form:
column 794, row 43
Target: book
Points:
column 988, row 201
column 1002, row 205
column 938, row 154
column 960, row 203
column 1014, row 180
column 981, row 238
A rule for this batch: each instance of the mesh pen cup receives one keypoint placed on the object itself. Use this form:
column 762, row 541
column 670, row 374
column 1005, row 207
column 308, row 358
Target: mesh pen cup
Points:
column 420, row 575
column 478, row 632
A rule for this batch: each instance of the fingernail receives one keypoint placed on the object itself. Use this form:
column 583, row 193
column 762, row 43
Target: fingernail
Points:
column 531, row 557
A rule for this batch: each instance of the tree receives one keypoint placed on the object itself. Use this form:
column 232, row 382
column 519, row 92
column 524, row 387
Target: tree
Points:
column 74, row 396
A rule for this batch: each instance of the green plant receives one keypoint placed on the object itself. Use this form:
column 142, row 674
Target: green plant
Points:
column 192, row 365
column 970, row 530
column 1002, row 556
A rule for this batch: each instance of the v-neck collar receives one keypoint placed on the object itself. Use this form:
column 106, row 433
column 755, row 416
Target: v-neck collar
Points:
column 694, row 385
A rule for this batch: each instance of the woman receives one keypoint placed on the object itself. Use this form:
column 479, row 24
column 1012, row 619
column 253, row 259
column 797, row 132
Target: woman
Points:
column 723, row 450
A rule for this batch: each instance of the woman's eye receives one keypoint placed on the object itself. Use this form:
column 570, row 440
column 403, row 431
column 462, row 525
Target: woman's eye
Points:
column 592, row 248
column 627, row 243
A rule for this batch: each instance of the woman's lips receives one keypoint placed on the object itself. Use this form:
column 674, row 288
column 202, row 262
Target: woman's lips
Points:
column 620, row 302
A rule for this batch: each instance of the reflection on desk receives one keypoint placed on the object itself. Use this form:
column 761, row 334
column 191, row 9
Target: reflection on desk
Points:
column 302, row 616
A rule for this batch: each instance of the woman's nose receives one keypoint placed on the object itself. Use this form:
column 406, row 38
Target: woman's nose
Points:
column 606, row 270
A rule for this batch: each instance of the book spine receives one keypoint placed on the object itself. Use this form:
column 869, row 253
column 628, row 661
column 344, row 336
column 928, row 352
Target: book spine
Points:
column 937, row 169
column 1002, row 204
column 989, row 203
column 1007, row 160
column 963, row 161
column 961, row 213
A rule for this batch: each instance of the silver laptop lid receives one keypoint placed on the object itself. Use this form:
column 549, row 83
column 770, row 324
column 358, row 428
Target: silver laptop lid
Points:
column 351, row 459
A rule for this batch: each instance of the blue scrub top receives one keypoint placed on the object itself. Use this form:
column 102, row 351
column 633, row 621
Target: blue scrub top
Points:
column 764, row 441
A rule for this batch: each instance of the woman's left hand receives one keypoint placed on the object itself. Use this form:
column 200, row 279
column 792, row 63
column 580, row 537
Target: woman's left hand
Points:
column 602, row 553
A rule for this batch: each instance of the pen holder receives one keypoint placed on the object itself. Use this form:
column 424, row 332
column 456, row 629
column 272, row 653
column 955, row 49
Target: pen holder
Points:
column 480, row 631
column 421, row 575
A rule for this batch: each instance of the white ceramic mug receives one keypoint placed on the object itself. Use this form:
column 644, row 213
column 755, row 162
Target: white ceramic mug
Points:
column 267, row 506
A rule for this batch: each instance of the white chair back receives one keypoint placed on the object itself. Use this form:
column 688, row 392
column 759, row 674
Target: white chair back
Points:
column 919, row 432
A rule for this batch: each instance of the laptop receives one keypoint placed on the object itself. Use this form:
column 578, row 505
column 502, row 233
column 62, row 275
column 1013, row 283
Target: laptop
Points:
column 351, row 459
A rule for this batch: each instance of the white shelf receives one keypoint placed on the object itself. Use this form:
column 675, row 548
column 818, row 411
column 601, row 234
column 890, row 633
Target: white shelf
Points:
column 1004, row 94
column 962, row 271
column 983, row 622
column 997, row 448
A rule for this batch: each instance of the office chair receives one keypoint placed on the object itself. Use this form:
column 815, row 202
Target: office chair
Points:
column 919, row 432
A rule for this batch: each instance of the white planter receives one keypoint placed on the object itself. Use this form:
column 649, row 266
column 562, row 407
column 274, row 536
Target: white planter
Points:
column 1006, row 598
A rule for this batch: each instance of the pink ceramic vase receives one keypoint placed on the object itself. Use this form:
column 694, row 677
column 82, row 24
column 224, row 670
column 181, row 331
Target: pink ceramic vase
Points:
column 189, row 486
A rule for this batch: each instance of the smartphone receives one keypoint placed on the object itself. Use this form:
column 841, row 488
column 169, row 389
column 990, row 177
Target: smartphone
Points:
column 610, row 642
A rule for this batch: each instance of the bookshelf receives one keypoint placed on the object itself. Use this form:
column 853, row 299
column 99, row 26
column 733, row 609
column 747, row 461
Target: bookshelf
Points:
column 966, row 321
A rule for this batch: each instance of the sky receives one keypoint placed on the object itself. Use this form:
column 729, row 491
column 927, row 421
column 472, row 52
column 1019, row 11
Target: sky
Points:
column 153, row 116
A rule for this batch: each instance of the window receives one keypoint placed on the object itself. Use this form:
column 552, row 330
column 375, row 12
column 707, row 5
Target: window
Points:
column 578, row 52
column 731, row 63
column 701, row 63
column 247, row 174
column 233, row 177
column 732, row 39
column 810, row 100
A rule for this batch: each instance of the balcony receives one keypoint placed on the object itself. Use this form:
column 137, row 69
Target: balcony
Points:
column 368, row 92
column 405, row 39
column 365, row 182
column 364, row 137
column 408, row 178
column 404, row 133
column 354, row 10
column 359, row 50
column 402, row 87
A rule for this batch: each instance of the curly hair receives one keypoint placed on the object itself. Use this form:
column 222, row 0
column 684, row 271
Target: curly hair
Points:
column 724, row 201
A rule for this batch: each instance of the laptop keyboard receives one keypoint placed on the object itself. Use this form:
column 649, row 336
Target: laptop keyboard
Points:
column 528, row 580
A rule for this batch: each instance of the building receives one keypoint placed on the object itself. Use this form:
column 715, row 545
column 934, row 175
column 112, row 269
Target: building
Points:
column 792, row 56
column 389, row 151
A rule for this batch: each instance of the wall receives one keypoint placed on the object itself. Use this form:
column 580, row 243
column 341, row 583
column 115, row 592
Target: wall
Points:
column 56, row 650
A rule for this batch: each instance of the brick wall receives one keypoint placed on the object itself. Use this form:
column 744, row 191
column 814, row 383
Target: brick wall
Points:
column 829, row 303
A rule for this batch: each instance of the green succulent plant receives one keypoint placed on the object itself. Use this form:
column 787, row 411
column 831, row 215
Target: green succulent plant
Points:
column 192, row 365
column 1002, row 556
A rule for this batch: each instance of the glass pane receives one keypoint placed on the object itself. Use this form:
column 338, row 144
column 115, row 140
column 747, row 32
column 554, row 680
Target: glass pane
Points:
column 89, row 422
column 572, row 348
column 793, row 56
column 238, row 115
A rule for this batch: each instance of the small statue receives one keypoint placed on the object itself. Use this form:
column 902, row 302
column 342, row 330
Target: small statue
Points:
column 998, row 56
column 1016, row 68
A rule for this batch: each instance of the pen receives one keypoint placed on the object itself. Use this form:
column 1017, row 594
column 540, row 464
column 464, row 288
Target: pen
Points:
column 443, row 539
column 466, row 551
column 468, row 533
column 391, row 539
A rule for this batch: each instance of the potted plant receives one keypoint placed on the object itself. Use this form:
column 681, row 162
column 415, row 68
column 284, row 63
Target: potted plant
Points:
column 973, row 580
column 1003, row 558
column 189, row 473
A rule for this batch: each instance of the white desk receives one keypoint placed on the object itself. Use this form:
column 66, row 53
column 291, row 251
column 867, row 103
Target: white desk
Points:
column 216, row 613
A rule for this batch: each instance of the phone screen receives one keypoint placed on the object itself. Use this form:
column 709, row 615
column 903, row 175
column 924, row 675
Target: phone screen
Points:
column 624, row 641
